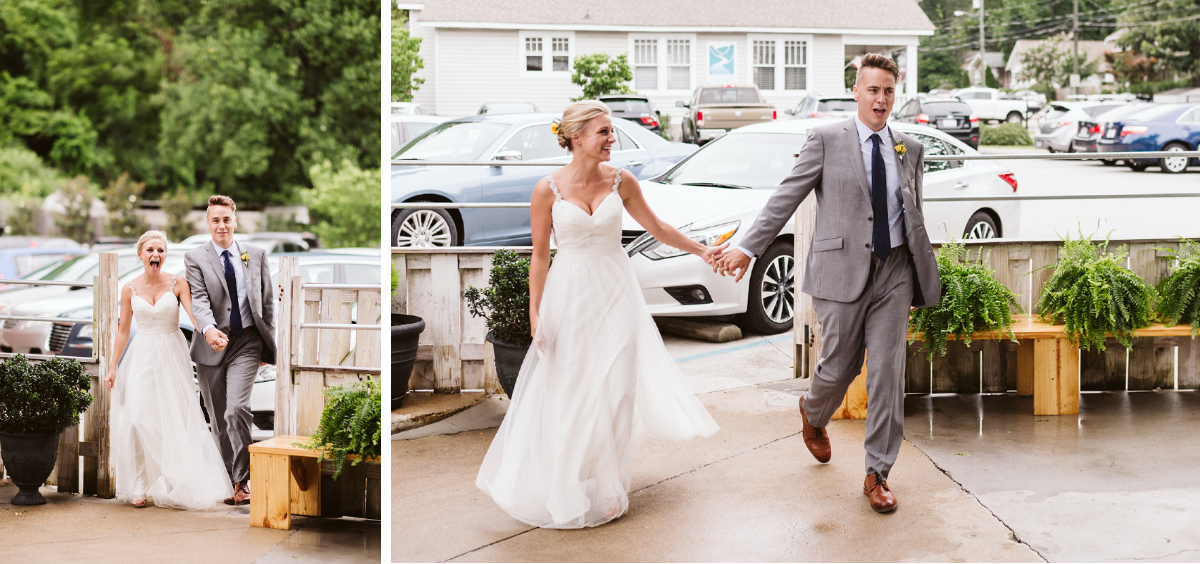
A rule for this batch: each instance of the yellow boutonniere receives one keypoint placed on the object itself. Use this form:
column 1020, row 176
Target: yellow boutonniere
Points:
column 245, row 257
column 554, row 126
column 900, row 150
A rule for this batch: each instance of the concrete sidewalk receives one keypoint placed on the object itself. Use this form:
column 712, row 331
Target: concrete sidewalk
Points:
column 750, row 493
column 76, row 528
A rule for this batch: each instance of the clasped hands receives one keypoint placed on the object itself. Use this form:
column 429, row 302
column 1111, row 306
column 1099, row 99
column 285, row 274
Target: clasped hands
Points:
column 727, row 262
column 216, row 339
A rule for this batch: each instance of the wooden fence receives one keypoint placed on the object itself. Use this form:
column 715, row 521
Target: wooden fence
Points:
column 452, row 354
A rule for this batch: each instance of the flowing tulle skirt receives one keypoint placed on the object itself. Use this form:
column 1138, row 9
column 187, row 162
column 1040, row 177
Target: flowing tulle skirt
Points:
column 162, row 449
column 596, row 382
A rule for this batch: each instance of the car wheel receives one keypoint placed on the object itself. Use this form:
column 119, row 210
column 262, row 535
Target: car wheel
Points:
column 1137, row 166
column 1050, row 148
column 981, row 226
column 424, row 228
column 771, row 306
column 1174, row 165
column 1013, row 117
column 1108, row 162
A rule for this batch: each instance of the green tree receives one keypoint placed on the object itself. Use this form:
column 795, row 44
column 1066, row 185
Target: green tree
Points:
column 123, row 197
column 405, row 60
column 1175, row 44
column 177, row 205
column 598, row 75
column 344, row 205
column 1051, row 65
column 75, row 221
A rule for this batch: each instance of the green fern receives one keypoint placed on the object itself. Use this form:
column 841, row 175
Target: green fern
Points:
column 972, row 300
column 1177, row 293
column 1092, row 295
column 350, row 424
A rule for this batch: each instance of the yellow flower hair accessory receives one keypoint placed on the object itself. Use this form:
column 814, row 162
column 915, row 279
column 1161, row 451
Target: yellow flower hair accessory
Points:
column 554, row 126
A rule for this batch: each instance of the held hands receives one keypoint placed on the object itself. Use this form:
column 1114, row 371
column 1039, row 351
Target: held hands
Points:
column 732, row 263
column 710, row 254
column 216, row 339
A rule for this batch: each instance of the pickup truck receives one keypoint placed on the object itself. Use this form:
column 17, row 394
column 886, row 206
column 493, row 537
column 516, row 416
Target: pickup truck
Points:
column 715, row 110
column 989, row 104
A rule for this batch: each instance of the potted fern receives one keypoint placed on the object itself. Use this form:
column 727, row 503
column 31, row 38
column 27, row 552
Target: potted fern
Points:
column 406, row 331
column 37, row 402
column 350, row 427
column 504, row 305
column 1092, row 294
column 972, row 300
column 1179, row 293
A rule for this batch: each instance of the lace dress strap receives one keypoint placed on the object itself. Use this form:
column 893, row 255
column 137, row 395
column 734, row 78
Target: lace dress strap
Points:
column 554, row 187
column 132, row 289
column 617, row 181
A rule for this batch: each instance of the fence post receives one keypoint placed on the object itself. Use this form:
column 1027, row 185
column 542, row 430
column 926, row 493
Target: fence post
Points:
column 806, row 334
column 105, row 318
column 283, row 348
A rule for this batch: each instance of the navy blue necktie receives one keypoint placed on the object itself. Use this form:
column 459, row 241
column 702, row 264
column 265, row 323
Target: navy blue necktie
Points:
column 881, row 237
column 235, row 314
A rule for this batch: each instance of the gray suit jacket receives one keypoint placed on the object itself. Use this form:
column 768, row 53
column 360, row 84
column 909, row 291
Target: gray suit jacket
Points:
column 839, row 258
column 211, row 303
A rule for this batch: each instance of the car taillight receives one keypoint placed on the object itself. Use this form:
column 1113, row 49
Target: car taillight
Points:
column 774, row 114
column 650, row 121
column 922, row 118
column 973, row 119
column 819, row 114
column 1134, row 130
column 699, row 117
column 1064, row 123
column 1096, row 128
column 1011, row 179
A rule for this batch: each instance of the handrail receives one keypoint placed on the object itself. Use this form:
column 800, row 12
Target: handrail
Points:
column 351, row 326
column 77, row 283
column 930, row 158
column 319, row 286
column 51, row 319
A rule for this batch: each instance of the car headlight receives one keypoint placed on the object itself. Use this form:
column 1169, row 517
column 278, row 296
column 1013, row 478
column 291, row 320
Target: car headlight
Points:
column 86, row 331
column 707, row 236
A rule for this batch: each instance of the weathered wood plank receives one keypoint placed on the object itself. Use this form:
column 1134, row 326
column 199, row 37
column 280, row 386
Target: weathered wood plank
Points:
column 1189, row 363
column 1116, row 358
column 304, row 486
column 1042, row 255
column 968, row 367
column 1009, row 349
column 916, row 370
column 105, row 329
column 367, row 343
column 447, row 297
column 283, row 348
column 994, row 365
column 1152, row 363
column 68, row 461
column 1093, row 371
column 1025, row 367
column 491, row 380
column 310, row 401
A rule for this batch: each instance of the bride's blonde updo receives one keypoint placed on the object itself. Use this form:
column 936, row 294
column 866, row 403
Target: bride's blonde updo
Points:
column 148, row 236
column 576, row 117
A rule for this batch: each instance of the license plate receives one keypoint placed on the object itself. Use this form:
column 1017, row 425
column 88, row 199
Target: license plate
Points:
column 1112, row 132
column 1039, row 143
column 947, row 123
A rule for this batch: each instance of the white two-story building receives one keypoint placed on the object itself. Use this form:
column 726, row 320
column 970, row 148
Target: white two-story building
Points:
column 486, row 52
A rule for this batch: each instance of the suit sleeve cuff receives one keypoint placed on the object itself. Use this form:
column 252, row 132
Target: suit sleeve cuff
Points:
column 207, row 327
column 744, row 251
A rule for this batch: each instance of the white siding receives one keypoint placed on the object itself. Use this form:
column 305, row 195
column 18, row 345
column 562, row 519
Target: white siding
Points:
column 425, row 93
column 829, row 63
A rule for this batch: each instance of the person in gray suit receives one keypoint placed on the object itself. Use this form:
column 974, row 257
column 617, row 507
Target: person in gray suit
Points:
column 237, row 340
column 869, row 263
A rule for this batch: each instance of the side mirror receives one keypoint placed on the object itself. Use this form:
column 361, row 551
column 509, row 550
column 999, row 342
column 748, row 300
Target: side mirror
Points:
column 507, row 156
column 681, row 104
column 790, row 112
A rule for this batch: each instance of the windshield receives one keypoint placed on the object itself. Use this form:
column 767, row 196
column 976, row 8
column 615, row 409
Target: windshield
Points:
column 729, row 96
column 837, row 106
column 452, row 141
column 1057, row 112
column 743, row 159
column 507, row 109
column 944, row 108
column 1153, row 113
column 629, row 106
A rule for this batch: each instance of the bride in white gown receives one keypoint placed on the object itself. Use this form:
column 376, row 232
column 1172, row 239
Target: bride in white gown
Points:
column 162, row 450
column 597, row 380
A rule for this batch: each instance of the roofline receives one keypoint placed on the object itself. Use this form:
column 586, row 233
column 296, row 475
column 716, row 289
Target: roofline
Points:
column 409, row 6
column 671, row 29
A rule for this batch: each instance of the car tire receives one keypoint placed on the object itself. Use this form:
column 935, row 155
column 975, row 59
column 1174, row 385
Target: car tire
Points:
column 1137, row 165
column 1174, row 165
column 1013, row 117
column 1050, row 148
column 1108, row 162
column 771, row 307
column 981, row 226
column 424, row 228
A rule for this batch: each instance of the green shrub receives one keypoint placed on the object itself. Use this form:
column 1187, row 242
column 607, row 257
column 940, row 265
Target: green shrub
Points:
column 1092, row 294
column 123, row 198
column 1179, row 293
column 75, row 222
column 504, row 304
column 42, row 398
column 972, row 300
column 1004, row 134
column 350, row 424
column 177, row 206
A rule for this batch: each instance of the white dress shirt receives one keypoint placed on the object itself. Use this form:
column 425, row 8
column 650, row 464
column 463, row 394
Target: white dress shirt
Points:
column 239, row 274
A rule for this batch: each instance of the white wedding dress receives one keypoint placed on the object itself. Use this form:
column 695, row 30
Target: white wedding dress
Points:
column 162, row 449
column 599, row 382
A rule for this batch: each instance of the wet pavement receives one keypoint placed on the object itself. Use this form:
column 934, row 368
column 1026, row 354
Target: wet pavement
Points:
column 76, row 528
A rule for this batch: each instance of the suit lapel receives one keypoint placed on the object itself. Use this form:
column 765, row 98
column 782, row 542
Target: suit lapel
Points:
column 902, row 165
column 215, row 260
column 251, row 269
column 856, row 163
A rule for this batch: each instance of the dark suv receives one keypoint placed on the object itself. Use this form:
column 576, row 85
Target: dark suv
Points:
column 950, row 115
column 635, row 108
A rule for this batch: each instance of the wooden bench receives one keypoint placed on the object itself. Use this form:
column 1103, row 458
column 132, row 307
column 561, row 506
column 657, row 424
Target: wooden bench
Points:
column 1047, row 367
column 285, row 481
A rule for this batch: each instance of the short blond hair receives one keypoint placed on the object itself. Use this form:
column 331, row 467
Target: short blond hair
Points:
column 576, row 117
column 219, row 200
column 148, row 236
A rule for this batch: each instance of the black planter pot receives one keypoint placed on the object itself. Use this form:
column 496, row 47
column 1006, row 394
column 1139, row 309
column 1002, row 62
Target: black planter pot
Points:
column 508, row 362
column 29, row 459
column 405, row 331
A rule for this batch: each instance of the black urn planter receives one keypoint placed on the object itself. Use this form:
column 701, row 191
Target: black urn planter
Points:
column 29, row 459
column 406, row 329
column 509, row 358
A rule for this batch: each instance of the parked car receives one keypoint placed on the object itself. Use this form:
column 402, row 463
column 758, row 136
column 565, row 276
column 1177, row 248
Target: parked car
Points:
column 19, row 262
column 989, row 104
column 717, row 193
column 633, row 107
column 407, row 109
column 815, row 106
column 950, row 115
column 714, row 111
column 270, row 241
column 23, row 241
column 1092, row 129
column 1057, row 128
column 525, row 137
column 1169, row 127
column 1034, row 100
column 508, row 108
column 405, row 128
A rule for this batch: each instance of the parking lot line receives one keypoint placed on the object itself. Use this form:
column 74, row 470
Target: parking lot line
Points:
column 734, row 348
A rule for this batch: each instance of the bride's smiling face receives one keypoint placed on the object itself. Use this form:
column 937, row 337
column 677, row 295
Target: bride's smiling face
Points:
column 596, row 140
column 153, row 254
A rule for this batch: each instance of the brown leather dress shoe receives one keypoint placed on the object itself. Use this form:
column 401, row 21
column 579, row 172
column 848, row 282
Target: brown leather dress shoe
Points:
column 242, row 495
column 877, row 490
column 229, row 500
column 814, row 437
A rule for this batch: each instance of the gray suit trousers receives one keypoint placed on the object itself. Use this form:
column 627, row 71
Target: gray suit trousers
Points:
column 226, row 388
column 877, row 322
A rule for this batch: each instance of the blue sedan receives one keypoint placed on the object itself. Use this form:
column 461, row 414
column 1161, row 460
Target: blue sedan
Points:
column 514, row 137
column 1168, row 127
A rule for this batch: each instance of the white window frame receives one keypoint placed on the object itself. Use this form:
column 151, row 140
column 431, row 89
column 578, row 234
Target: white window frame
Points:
column 663, row 63
column 547, row 38
column 780, row 58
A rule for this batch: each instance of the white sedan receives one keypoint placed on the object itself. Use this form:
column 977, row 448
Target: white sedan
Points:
column 716, row 193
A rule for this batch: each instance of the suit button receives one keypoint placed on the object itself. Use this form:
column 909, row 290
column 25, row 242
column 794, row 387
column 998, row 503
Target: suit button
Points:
column 868, row 245
column 870, row 218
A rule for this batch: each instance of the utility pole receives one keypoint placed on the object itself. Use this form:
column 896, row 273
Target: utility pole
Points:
column 983, row 46
column 1075, row 38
